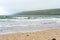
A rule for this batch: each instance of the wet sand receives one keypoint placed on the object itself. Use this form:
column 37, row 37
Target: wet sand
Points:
column 31, row 30
column 50, row 34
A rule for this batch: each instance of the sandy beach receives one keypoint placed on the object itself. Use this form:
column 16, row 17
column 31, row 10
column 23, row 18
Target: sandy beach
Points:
column 51, row 34
column 30, row 30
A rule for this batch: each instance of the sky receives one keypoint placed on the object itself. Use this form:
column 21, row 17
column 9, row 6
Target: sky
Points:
column 8, row 7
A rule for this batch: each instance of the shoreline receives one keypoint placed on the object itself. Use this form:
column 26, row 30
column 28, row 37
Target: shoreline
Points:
column 31, row 26
column 39, row 35
column 27, row 31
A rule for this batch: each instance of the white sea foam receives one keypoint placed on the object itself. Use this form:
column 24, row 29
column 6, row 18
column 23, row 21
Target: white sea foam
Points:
column 28, row 25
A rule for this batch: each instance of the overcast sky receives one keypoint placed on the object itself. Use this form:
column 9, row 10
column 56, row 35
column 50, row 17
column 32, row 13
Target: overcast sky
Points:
column 13, row 6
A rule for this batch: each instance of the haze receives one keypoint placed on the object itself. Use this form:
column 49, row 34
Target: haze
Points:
column 8, row 7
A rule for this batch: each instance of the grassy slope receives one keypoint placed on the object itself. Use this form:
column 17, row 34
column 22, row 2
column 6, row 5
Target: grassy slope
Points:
column 41, row 12
column 36, row 12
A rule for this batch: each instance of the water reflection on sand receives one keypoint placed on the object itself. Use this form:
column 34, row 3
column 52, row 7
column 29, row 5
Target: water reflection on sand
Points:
column 29, row 25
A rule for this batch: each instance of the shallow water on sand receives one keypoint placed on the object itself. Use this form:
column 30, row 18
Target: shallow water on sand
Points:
column 29, row 25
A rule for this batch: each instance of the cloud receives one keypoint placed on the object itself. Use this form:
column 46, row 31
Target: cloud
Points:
column 13, row 6
column 37, row 4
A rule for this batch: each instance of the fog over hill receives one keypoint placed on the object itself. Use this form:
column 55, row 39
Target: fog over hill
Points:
column 35, row 12
column 41, row 12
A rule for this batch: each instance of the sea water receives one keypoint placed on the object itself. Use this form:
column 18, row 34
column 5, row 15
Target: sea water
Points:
column 28, row 25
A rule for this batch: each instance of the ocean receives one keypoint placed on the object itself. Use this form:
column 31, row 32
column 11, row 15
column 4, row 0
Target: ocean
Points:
column 28, row 25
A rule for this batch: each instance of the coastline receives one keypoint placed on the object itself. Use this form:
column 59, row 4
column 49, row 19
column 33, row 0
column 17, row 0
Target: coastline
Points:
column 30, row 26
column 39, row 35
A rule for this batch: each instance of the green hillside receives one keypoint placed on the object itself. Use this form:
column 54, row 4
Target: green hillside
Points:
column 36, row 12
column 41, row 12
